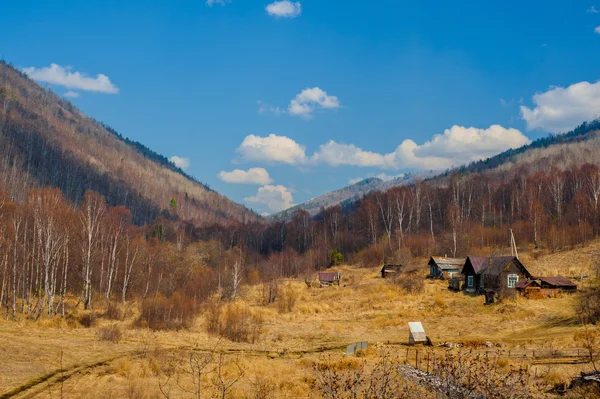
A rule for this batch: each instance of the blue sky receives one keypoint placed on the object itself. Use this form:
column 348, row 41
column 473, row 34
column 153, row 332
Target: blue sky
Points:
column 303, row 97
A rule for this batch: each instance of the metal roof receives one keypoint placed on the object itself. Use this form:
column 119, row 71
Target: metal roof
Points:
column 557, row 281
column 493, row 265
column 329, row 276
column 447, row 263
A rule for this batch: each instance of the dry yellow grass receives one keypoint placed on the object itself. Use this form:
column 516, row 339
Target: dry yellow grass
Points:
column 318, row 326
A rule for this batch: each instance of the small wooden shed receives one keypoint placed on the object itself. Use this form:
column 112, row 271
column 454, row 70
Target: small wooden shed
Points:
column 391, row 270
column 416, row 334
column 329, row 278
column 444, row 267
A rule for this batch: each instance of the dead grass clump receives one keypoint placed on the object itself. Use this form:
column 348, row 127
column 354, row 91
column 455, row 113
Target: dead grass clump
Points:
column 556, row 379
column 162, row 313
column 339, row 365
column 504, row 363
column 287, row 299
column 439, row 302
column 88, row 319
column 412, row 283
column 111, row 333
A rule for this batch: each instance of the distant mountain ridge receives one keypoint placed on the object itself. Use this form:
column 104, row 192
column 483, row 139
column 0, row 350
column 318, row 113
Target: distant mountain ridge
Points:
column 46, row 141
column 352, row 193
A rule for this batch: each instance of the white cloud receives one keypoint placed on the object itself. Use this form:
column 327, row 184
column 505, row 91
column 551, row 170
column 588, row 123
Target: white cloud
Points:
column 592, row 10
column 275, row 198
column 182, row 163
column 284, row 9
column 457, row 145
column 597, row 29
column 58, row 75
column 305, row 103
column 210, row 3
column 272, row 148
column 71, row 94
column 560, row 109
column 251, row 176
column 264, row 108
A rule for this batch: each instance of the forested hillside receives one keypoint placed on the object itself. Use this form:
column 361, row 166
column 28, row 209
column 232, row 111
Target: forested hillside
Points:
column 46, row 141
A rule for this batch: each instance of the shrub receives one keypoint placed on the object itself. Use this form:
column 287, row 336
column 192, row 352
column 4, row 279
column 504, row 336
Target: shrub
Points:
column 336, row 258
column 213, row 316
column 411, row 283
column 88, row 319
column 240, row 324
column 287, row 299
column 114, row 312
column 111, row 333
column 162, row 313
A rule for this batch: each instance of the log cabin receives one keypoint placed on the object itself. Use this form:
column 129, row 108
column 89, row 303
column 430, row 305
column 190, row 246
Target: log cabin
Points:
column 497, row 274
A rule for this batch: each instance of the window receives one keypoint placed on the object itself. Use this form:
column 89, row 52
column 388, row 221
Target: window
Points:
column 470, row 281
column 512, row 280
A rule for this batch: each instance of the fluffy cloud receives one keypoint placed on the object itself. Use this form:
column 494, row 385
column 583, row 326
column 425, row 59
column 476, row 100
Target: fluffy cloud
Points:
column 251, row 176
column 210, row 3
column 305, row 103
column 560, row 109
column 597, row 29
column 592, row 10
column 457, row 145
column 284, row 9
column 182, row 163
column 275, row 198
column 71, row 94
column 272, row 148
column 58, row 75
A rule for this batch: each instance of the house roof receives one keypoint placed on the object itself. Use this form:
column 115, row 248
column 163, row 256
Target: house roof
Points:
column 444, row 263
column 558, row 281
column 522, row 284
column 493, row 265
column 329, row 276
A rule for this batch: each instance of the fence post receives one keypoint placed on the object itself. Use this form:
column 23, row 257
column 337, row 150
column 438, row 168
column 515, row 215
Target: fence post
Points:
column 417, row 359
column 407, row 356
column 427, row 362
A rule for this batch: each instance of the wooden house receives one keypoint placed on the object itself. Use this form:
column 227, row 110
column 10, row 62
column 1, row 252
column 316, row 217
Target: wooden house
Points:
column 444, row 267
column 391, row 270
column 496, row 274
column 329, row 278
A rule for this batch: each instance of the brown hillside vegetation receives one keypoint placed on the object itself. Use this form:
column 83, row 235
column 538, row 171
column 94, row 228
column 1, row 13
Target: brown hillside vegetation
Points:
column 45, row 140
column 296, row 347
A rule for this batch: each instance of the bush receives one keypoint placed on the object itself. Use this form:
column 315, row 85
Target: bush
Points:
column 114, row 312
column 336, row 258
column 287, row 299
column 411, row 283
column 88, row 319
column 213, row 317
column 239, row 324
column 162, row 313
column 111, row 333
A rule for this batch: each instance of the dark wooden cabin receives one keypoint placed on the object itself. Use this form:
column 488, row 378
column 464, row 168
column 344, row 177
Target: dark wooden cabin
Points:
column 329, row 278
column 391, row 270
column 498, row 274
column 546, row 287
column 444, row 267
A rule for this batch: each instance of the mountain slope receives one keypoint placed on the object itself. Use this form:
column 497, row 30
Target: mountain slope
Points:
column 352, row 193
column 45, row 140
